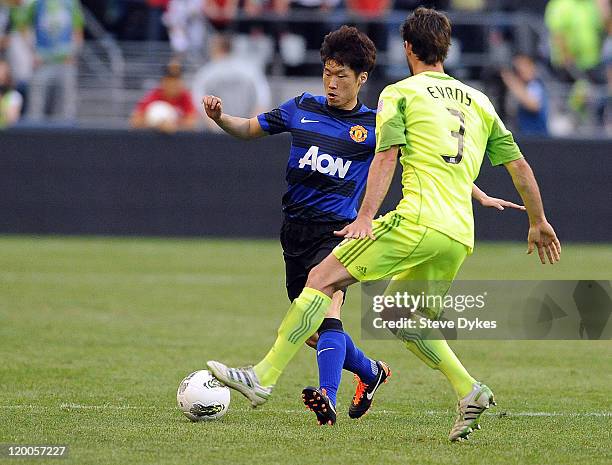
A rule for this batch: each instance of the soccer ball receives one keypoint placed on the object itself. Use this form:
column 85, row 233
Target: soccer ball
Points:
column 160, row 112
column 201, row 396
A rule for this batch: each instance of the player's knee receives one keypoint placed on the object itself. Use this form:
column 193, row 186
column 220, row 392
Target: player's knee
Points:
column 317, row 280
column 314, row 278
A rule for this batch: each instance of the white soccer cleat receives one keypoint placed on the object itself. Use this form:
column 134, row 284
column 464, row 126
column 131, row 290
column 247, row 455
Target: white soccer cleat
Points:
column 469, row 410
column 243, row 380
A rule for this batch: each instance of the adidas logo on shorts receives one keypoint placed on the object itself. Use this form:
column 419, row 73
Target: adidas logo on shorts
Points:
column 361, row 269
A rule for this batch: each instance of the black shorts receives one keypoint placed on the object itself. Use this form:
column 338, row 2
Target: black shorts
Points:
column 304, row 247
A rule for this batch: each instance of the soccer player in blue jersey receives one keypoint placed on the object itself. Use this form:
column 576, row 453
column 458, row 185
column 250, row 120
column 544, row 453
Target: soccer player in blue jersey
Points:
column 333, row 142
column 332, row 147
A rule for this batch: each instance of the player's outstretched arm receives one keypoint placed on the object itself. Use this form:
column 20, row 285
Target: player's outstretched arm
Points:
column 379, row 180
column 243, row 128
column 541, row 233
column 492, row 202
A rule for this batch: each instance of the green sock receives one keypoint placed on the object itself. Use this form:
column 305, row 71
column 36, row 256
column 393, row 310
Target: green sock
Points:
column 438, row 355
column 302, row 319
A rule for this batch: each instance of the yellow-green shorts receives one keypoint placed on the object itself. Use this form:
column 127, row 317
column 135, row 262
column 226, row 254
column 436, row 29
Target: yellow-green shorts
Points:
column 403, row 250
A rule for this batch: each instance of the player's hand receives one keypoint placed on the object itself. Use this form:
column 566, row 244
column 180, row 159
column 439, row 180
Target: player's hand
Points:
column 500, row 204
column 213, row 106
column 542, row 236
column 358, row 229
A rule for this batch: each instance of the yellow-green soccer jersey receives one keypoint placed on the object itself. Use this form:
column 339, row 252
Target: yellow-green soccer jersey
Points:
column 444, row 128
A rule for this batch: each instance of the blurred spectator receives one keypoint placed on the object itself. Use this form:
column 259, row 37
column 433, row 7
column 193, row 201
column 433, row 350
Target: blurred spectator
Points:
column 254, row 8
column 221, row 13
column 4, row 26
column 155, row 27
column 302, row 37
column 500, row 56
column 19, row 51
column 575, row 28
column 260, row 37
column 58, row 38
column 167, row 108
column 371, row 15
column 468, row 5
column 186, row 27
column 606, row 56
column 18, row 47
column 470, row 38
column 409, row 5
column 528, row 89
column 239, row 83
column 10, row 99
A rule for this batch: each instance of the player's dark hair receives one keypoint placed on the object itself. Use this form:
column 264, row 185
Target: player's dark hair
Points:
column 429, row 33
column 350, row 47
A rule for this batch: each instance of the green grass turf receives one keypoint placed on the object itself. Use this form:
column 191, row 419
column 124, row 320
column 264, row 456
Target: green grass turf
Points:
column 95, row 335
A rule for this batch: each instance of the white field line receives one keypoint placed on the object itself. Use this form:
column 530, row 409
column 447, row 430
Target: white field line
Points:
column 110, row 407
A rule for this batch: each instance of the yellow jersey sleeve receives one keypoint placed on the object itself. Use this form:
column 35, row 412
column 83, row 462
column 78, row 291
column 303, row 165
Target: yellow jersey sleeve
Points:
column 501, row 147
column 390, row 120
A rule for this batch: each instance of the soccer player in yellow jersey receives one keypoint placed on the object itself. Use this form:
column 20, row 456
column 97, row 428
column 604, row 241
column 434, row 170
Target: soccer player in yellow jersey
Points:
column 441, row 129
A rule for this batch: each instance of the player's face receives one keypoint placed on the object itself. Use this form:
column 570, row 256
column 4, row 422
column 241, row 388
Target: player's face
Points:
column 342, row 85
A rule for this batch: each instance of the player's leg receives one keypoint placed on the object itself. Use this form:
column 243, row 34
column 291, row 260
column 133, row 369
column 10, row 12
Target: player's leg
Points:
column 355, row 359
column 331, row 351
column 426, row 257
column 332, row 355
column 305, row 246
column 299, row 243
column 434, row 277
column 305, row 315
column 368, row 259
column 306, row 312
column 302, row 319
column 337, row 351
column 438, row 272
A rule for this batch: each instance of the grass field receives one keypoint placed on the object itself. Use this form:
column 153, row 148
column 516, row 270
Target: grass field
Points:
column 95, row 335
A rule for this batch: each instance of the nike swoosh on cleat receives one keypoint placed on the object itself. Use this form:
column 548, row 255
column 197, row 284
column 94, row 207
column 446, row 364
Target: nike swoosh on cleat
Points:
column 323, row 350
column 304, row 120
column 369, row 395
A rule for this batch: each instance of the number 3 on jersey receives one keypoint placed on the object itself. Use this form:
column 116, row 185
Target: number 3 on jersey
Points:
column 459, row 135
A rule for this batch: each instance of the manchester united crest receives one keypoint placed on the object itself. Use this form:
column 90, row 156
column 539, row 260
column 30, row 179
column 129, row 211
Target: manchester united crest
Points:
column 358, row 133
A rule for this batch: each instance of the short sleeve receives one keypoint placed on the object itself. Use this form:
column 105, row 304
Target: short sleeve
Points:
column 390, row 120
column 279, row 119
column 501, row 147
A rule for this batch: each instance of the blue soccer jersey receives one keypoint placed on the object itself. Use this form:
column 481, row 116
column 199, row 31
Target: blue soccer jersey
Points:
column 331, row 152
